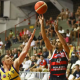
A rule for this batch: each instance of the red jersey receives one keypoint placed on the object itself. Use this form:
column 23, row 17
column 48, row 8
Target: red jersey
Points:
column 43, row 63
column 58, row 63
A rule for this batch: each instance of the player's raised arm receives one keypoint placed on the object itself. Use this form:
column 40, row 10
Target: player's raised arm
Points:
column 46, row 40
column 65, row 46
column 24, row 51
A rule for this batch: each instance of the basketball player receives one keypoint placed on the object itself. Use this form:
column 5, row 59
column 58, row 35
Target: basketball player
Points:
column 59, row 59
column 10, row 70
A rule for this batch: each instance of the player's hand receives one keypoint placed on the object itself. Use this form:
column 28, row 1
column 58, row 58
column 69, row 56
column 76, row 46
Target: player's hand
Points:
column 55, row 26
column 41, row 19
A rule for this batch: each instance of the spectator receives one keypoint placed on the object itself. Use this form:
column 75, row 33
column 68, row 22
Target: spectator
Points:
column 74, row 32
column 21, row 33
column 19, row 52
column 67, row 33
column 78, row 23
column 36, row 65
column 76, row 74
column 47, row 27
column 40, row 39
column 27, row 64
column 35, row 52
column 7, row 52
column 25, row 42
column 34, row 38
column 43, row 64
column 1, row 46
column 78, row 12
column 74, row 55
column 19, row 39
column 67, row 13
column 61, row 30
column 15, row 40
column 40, row 51
column 11, row 34
column 78, row 61
column 26, row 32
column 17, row 33
column 51, row 20
column 61, row 15
column 15, row 53
column 50, row 31
column 10, row 53
column 33, row 43
column 78, row 50
column 66, row 38
column 7, row 43
column 47, row 23
column 72, row 20
column 45, row 52
column 37, row 24
column 33, row 61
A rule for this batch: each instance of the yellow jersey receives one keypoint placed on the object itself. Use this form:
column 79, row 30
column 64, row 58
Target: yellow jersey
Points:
column 12, row 74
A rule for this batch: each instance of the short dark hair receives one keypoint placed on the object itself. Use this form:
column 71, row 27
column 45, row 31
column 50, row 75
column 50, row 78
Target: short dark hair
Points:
column 27, row 57
column 77, row 65
column 42, row 56
column 11, row 30
column 19, row 50
column 60, row 26
column 38, row 56
column 67, row 29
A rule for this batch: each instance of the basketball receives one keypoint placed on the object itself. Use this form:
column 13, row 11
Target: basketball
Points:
column 40, row 7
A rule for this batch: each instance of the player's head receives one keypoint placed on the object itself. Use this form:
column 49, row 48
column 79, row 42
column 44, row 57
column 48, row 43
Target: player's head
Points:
column 58, row 44
column 7, row 60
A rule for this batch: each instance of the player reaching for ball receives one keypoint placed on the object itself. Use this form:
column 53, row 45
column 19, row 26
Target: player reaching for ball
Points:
column 59, row 59
column 10, row 70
